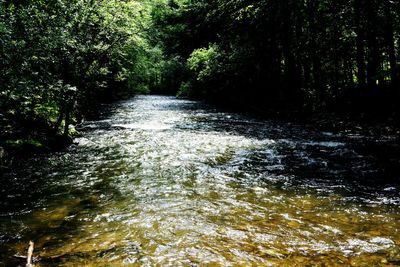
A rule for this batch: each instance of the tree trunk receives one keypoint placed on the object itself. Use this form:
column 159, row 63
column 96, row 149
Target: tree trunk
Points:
column 374, row 59
column 59, row 119
column 287, row 49
column 315, row 59
column 389, row 38
column 67, row 120
column 360, row 57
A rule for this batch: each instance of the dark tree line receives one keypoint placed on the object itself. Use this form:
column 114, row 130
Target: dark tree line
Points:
column 59, row 59
column 313, row 55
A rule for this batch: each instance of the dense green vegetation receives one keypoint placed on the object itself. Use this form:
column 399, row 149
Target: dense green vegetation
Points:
column 59, row 59
column 307, row 56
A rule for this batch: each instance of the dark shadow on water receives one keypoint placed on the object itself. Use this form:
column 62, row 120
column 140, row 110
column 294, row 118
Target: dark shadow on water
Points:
column 69, row 184
column 45, row 198
column 366, row 163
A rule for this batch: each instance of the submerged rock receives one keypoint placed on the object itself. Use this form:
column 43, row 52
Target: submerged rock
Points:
column 394, row 255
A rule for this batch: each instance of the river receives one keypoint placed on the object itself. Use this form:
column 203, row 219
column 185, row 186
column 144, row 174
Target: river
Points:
column 159, row 181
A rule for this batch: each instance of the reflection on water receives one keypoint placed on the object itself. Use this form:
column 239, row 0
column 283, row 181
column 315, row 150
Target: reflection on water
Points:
column 163, row 181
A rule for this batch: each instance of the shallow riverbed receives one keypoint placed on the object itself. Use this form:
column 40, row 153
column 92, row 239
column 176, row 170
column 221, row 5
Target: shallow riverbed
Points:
column 161, row 181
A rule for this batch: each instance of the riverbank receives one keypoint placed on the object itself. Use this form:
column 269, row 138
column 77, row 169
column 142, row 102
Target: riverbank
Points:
column 20, row 147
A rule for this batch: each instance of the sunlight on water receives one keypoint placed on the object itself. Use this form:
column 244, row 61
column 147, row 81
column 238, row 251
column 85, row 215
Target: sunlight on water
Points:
column 172, row 182
column 146, row 126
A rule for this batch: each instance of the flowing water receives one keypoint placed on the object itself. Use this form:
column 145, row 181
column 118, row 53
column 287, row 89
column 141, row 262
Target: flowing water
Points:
column 167, row 182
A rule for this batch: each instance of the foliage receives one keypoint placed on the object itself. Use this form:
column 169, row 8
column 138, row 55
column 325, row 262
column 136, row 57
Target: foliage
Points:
column 284, row 55
column 60, row 58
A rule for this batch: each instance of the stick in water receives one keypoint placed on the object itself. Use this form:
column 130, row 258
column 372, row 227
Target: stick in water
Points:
column 30, row 252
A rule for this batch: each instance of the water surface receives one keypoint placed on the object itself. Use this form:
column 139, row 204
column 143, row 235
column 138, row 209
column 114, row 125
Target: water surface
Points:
column 166, row 182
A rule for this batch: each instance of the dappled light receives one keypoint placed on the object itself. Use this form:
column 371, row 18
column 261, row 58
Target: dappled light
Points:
column 199, row 133
column 166, row 181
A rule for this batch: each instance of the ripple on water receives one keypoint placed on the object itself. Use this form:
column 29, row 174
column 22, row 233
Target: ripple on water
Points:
column 175, row 182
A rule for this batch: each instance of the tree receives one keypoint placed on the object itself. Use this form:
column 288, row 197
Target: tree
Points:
column 285, row 55
column 59, row 59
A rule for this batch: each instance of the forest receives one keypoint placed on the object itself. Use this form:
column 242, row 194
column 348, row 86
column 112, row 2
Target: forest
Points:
column 199, row 133
column 293, row 56
column 60, row 59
